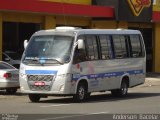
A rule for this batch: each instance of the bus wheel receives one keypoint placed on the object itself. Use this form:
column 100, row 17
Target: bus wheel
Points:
column 122, row 91
column 81, row 94
column 34, row 97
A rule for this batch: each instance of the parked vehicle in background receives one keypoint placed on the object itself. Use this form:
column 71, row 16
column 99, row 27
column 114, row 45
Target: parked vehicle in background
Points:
column 9, row 78
column 71, row 61
column 12, row 58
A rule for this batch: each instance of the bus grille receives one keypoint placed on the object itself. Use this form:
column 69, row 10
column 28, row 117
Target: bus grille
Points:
column 40, row 78
column 40, row 88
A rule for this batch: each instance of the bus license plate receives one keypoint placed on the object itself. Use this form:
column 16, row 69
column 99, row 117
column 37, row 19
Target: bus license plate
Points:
column 39, row 84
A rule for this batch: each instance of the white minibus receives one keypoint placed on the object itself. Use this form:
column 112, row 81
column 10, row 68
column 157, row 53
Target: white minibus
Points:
column 73, row 61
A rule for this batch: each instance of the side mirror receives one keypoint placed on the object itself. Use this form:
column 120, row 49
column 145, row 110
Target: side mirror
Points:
column 25, row 43
column 81, row 44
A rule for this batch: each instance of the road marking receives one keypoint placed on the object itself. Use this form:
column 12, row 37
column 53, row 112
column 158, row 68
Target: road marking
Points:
column 99, row 113
column 71, row 116
column 58, row 105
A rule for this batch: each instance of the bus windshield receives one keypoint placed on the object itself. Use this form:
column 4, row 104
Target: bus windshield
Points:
column 55, row 48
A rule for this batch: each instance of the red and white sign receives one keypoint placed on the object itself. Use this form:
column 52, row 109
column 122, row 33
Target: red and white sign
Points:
column 138, row 5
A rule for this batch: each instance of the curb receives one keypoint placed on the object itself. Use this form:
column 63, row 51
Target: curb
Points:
column 152, row 79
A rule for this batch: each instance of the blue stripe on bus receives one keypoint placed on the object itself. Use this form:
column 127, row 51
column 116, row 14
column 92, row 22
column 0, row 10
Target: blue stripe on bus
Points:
column 107, row 75
column 39, row 72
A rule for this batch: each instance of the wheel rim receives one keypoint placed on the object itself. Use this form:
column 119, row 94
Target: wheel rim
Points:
column 81, row 93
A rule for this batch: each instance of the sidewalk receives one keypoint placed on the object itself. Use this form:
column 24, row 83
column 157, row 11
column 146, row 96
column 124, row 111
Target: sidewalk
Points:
column 152, row 79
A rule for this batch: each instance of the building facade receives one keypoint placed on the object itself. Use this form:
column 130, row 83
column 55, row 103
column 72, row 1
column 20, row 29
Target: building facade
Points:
column 19, row 19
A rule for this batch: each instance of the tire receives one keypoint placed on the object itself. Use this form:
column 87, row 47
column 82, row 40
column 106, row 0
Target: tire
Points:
column 88, row 95
column 34, row 97
column 123, row 91
column 81, row 93
column 11, row 90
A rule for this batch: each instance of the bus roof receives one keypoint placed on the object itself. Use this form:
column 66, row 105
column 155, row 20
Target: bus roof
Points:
column 72, row 32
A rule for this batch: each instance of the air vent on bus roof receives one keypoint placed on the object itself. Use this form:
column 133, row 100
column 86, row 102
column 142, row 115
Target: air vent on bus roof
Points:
column 120, row 29
column 67, row 28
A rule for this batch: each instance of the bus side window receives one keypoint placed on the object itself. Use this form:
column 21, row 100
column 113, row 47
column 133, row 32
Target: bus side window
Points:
column 92, row 47
column 136, row 47
column 120, row 47
column 105, row 45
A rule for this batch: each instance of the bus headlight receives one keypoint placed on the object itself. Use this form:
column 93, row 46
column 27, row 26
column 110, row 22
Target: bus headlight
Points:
column 22, row 88
column 23, row 76
column 67, row 76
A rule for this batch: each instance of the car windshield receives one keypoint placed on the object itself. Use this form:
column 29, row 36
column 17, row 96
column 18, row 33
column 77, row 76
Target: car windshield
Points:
column 49, row 47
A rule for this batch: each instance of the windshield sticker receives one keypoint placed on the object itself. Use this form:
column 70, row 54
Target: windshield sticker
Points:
column 91, row 68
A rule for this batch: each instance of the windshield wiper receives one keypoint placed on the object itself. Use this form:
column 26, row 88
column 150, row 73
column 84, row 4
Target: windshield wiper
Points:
column 31, row 58
column 40, row 60
column 59, row 61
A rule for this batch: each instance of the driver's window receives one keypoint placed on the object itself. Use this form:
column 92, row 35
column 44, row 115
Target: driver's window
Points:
column 79, row 54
